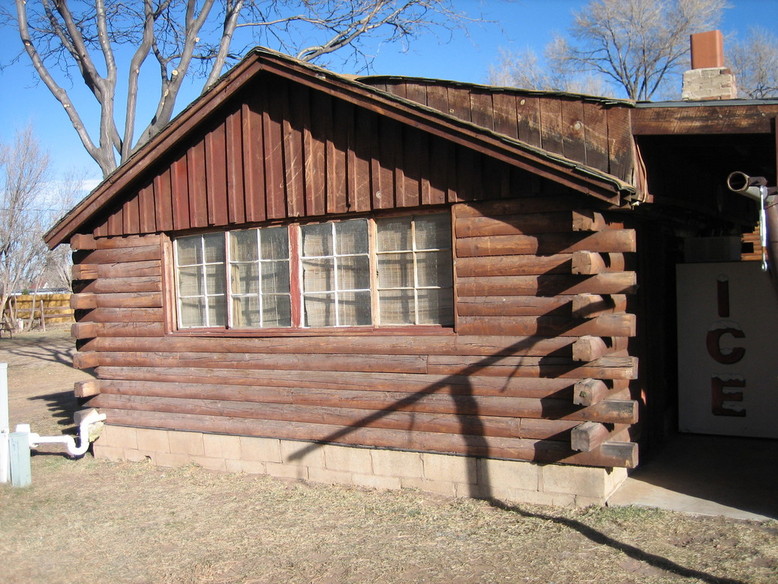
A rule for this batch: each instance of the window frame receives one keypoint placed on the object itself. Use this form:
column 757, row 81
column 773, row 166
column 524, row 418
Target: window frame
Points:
column 296, row 294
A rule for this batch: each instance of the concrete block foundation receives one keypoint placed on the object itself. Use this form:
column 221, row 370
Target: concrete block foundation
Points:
column 510, row 481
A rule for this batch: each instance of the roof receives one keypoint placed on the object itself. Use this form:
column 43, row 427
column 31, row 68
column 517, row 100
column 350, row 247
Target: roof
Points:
column 553, row 166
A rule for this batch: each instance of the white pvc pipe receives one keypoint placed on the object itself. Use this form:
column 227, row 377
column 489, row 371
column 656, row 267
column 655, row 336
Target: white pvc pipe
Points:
column 73, row 450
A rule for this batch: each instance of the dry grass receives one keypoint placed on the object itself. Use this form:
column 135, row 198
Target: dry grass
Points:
column 95, row 521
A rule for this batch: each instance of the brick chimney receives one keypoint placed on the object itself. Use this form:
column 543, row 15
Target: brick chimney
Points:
column 708, row 78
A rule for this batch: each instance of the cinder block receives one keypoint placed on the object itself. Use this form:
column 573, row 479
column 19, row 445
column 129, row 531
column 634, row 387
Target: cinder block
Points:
column 302, row 454
column 287, row 471
column 573, row 480
column 508, row 474
column 330, row 477
column 377, row 482
column 614, row 478
column 394, row 463
column 252, row 467
column 172, row 460
column 186, row 443
column 221, row 446
column 344, row 458
column 449, row 468
column 260, row 449
column 108, row 452
column 209, row 463
column 133, row 455
column 446, row 488
column 118, row 436
column 153, row 440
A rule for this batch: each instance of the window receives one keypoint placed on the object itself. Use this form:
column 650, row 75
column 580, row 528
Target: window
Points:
column 352, row 273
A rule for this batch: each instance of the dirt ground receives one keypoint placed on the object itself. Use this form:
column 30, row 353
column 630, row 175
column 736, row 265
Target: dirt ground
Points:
column 94, row 521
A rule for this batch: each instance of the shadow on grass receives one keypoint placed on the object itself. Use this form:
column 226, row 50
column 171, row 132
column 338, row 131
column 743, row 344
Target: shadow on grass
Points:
column 627, row 549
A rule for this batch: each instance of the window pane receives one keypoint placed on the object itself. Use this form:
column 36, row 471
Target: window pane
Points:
column 319, row 310
column 245, row 312
column 433, row 232
column 276, row 311
column 354, row 273
column 397, row 306
column 189, row 251
column 354, row 308
column 214, row 247
column 275, row 243
column 317, row 239
column 351, row 236
column 214, row 278
column 243, row 246
column 393, row 234
column 275, row 277
column 217, row 312
column 395, row 270
column 245, row 278
column 435, row 307
column 192, row 313
column 189, row 282
column 318, row 275
column 434, row 269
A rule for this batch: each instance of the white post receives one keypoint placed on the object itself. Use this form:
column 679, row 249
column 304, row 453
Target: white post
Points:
column 5, row 463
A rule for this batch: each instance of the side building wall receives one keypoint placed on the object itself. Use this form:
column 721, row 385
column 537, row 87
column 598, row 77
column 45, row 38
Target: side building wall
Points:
column 536, row 371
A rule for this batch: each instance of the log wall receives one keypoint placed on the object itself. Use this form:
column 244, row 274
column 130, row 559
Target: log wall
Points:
column 536, row 367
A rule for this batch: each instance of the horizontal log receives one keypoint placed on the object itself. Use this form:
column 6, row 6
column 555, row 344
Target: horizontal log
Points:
column 89, row 330
column 119, row 285
column 529, row 224
column 590, row 305
column 506, row 366
column 524, row 205
column 587, row 392
column 514, row 305
column 277, row 362
column 82, row 241
column 336, row 345
column 607, row 325
column 116, row 270
column 128, row 241
column 531, row 387
column 587, row 263
column 118, row 255
column 612, row 240
column 589, row 348
column 548, row 285
column 119, row 300
column 588, row 436
column 88, row 388
column 88, row 360
column 608, row 455
column 390, row 418
column 516, row 265
column 123, row 315
column 604, row 368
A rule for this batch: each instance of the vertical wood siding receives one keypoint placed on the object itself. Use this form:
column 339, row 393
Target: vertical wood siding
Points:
column 282, row 151
column 586, row 130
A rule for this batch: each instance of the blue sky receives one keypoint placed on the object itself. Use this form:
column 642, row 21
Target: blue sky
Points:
column 514, row 25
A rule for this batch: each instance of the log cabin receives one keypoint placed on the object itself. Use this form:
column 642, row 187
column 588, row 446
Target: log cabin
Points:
column 402, row 283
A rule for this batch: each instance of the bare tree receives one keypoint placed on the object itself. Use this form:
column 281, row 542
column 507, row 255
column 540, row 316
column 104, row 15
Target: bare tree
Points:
column 25, row 170
column 636, row 46
column 526, row 71
column 109, row 43
column 755, row 64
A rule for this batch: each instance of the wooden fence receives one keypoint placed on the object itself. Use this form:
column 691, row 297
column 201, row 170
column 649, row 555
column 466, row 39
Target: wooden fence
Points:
column 54, row 308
